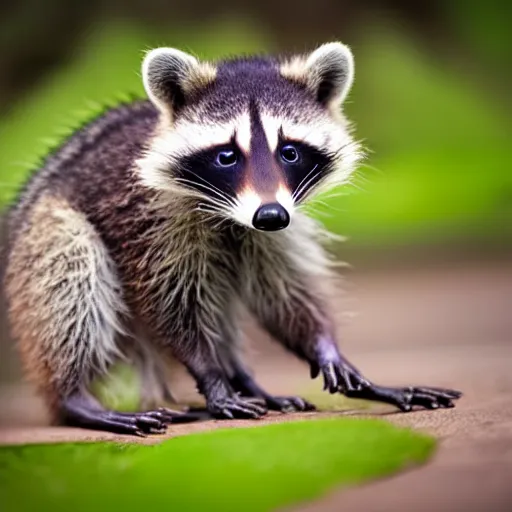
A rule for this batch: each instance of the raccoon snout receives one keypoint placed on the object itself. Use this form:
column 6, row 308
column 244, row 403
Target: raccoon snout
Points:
column 271, row 217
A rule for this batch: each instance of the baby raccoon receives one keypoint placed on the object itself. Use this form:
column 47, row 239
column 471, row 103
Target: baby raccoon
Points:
column 145, row 232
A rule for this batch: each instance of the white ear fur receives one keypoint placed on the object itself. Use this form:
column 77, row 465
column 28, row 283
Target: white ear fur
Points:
column 332, row 68
column 328, row 72
column 169, row 75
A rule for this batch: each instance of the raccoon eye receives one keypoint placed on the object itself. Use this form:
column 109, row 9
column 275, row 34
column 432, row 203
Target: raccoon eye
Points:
column 289, row 154
column 226, row 158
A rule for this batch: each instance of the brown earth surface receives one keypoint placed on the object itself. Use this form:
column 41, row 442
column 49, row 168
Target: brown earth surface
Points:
column 448, row 327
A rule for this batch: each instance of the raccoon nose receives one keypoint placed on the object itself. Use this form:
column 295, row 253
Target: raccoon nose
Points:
column 271, row 217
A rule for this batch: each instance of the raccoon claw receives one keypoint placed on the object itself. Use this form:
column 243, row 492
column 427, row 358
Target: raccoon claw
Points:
column 340, row 376
column 85, row 412
column 236, row 407
column 168, row 416
column 288, row 404
column 246, row 386
column 407, row 398
column 138, row 424
column 151, row 422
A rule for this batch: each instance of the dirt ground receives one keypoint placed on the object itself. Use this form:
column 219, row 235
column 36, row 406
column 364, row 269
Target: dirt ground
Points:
column 448, row 326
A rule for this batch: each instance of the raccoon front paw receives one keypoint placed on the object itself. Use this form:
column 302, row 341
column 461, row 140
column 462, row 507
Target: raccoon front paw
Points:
column 288, row 404
column 340, row 375
column 407, row 398
column 237, row 407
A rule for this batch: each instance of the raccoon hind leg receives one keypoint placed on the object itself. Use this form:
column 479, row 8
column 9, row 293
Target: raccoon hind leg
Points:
column 65, row 309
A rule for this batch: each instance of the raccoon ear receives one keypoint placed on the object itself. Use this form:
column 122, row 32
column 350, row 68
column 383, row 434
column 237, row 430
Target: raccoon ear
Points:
column 170, row 76
column 328, row 72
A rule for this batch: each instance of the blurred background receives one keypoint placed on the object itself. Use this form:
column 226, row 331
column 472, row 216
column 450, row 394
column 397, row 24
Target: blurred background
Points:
column 431, row 101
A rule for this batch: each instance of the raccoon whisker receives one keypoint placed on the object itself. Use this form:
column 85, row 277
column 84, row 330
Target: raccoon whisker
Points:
column 222, row 220
column 308, row 193
column 318, row 189
column 334, row 156
column 202, row 185
column 210, row 215
column 220, row 197
column 372, row 168
column 216, row 203
column 213, row 187
column 207, row 210
column 331, row 195
column 313, row 189
column 323, row 213
column 317, row 211
column 300, row 186
column 210, row 205
column 215, row 211
column 335, row 179
column 327, row 190
column 220, row 215
column 206, row 181
column 352, row 182
column 357, row 187
column 318, row 201
column 210, row 208
column 328, row 206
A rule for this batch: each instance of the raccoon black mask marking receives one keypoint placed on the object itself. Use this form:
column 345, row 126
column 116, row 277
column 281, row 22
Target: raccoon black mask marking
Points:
column 250, row 135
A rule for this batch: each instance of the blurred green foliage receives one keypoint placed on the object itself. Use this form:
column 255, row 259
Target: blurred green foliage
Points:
column 439, row 167
column 284, row 463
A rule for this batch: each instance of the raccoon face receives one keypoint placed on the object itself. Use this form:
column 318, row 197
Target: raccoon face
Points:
column 251, row 138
